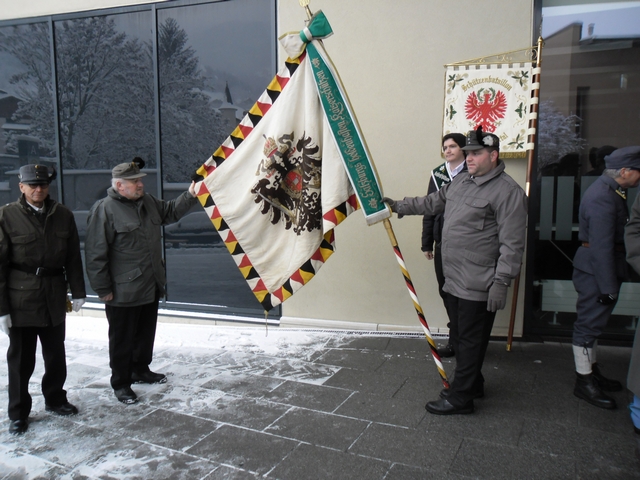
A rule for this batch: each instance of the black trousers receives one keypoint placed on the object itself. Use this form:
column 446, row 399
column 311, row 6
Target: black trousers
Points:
column 471, row 326
column 132, row 332
column 437, row 264
column 21, row 360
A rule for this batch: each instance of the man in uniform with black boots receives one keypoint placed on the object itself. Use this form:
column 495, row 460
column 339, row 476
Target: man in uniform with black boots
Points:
column 123, row 252
column 599, row 268
column 39, row 260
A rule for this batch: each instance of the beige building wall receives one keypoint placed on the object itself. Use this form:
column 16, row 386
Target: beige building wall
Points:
column 390, row 55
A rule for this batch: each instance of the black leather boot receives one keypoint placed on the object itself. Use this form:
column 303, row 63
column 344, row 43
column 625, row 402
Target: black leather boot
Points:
column 605, row 384
column 587, row 389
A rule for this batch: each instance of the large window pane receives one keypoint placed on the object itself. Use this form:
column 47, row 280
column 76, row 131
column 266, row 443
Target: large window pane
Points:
column 590, row 92
column 27, row 133
column 105, row 101
column 214, row 62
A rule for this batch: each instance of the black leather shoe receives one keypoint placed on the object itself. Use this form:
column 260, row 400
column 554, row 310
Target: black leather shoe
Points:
column 126, row 395
column 18, row 427
column 148, row 377
column 605, row 384
column 444, row 393
column 443, row 407
column 446, row 351
column 65, row 409
column 588, row 390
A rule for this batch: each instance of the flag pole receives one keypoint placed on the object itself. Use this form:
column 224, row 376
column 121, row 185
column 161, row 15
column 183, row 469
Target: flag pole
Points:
column 533, row 125
column 416, row 302
column 400, row 259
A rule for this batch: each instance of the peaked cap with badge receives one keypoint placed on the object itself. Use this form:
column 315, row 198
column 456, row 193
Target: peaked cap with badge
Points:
column 477, row 139
column 36, row 174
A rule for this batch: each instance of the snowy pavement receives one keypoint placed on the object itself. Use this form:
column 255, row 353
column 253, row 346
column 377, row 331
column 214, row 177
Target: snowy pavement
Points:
column 244, row 403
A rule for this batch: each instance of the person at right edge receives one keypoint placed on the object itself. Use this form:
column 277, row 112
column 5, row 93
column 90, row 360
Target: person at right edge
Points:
column 483, row 237
column 599, row 268
column 452, row 144
column 632, row 243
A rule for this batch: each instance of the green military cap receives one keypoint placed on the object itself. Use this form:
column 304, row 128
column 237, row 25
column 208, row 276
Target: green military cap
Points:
column 129, row 171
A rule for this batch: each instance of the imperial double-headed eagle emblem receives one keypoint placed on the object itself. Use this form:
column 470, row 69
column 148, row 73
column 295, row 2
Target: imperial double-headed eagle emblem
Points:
column 289, row 186
column 486, row 108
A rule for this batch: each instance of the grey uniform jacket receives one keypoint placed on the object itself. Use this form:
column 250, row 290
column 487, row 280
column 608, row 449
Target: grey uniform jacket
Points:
column 632, row 243
column 34, row 300
column 484, row 230
column 123, row 248
column 603, row 215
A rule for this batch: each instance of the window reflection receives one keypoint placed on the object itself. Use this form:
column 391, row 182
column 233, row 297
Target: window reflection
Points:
column 26, row 104
column 210, row 74
column 588, row 107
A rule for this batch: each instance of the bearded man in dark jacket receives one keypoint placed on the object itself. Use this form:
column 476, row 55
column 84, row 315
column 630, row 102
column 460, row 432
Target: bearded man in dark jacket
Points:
column 39, row 260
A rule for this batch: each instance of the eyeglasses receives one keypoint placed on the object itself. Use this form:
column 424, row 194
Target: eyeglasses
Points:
column 43, row 186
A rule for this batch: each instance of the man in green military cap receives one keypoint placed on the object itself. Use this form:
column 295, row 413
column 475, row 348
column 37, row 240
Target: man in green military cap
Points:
column 123, row 253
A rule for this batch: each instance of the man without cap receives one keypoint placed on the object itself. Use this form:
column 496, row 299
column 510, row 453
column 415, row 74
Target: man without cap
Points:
column 123, row 254
column 39, row 260
column 599, row 268
column 483, row 238
column 452, row 144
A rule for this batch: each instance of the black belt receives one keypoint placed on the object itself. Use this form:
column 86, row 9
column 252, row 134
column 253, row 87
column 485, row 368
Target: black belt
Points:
column 39, row 271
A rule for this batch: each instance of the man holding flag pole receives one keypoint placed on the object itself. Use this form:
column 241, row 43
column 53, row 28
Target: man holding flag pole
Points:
column 483, row 239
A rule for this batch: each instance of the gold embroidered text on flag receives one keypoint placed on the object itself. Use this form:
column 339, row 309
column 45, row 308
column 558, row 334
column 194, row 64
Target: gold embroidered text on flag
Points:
column 277, row 187
column 497, row 96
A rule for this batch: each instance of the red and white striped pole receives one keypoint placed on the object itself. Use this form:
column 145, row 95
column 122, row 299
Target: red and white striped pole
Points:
column 416, row 303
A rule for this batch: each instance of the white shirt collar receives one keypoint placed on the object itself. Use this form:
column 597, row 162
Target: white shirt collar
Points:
column 455, row 171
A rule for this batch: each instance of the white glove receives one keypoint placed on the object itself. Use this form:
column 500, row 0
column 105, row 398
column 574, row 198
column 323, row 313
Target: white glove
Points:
column 76, row 304
column 5, row 323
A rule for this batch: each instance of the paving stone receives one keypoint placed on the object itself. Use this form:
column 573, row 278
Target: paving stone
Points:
column 307, row 462
column 413, row 447
column 171, row 430
column 243, row 384
column 407, row 366
column 479, row 459
column 592, row 449
column 314, row 397
column 417, row 346
column 377, row 408
column 366, row 382
column 243, row 448
column 243, row 412
column 357, row 359
column 317, row 428
column 144, row 461
column 358, row 342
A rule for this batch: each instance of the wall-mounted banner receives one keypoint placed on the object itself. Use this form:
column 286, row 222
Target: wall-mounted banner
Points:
column 496, row 96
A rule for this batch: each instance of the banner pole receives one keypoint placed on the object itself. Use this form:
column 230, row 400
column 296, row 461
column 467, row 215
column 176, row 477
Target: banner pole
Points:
column 533, row 128
column 416, row 303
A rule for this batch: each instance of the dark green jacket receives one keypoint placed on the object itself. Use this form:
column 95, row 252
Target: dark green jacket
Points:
column 123, row 248
column 37, row 301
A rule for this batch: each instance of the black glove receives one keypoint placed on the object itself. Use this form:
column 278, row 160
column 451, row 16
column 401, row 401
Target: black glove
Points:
column 497, row 297
column 607, row 298
column 391, row 203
